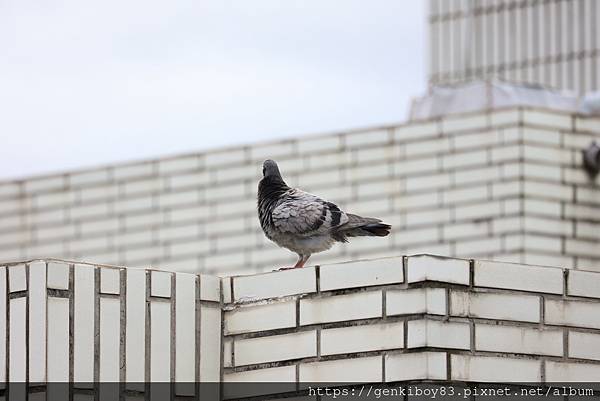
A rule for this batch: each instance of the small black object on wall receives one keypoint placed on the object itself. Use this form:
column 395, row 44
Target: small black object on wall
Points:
column 591, row 159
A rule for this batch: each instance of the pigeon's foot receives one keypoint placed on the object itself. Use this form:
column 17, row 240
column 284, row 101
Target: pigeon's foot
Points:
column 286, row 268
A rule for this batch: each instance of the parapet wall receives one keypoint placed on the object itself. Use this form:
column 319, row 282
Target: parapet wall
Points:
column 503, row 184
column 388, row 320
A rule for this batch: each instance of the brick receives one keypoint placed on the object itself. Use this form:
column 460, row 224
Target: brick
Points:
column 416, row 300
column 434, row 216
column 519, row 340
column 194, row 179
column 416, row 130
column 367, row 155
column 187, row 197
column 533, row 135
column 380, row 187
column 548, row 226
column 477, row 175
column 416, row 183
column 337, row 308
column 572, row 313
column 587, row 124
column 271, row 150
column 433, row 333
column 226, row 286
column 17, row 280
column 275, row 284
column 366, row 172
column 465, row 230
column 367, row 138
column 58, row 276
column 584, row 345
column 134, row 204
column 494, row 369
column 56, row 182
column 483, row 210
column 540, row 171
column 505, row 117
column 252, row 318
column 506, row 153
column 583, row 283
column 431, row 268
column 210, row 288
column 355, row 370
column 415, row 366
column 545, row 118
column 319, row 144
column 361, row 274
column 9, row 189
column 275, row 348
column 484, row 246
column 464, row 159
column 571, row 372
column 479, row 192
column 518, row 277
column 464, row 123
column 227, row 156
column 133, row 170
column 524, row 308
column 110, row 281
column 411, row 201
column 431, row 146
column 179, row 232
column 542, row 207
column 281, row 380
column 581, row 247
column 180, row 163
column 161, row 284
column 372, row 337
column 406, row 167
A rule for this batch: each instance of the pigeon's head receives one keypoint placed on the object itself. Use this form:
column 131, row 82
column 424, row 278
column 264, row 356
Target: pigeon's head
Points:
column 270, row 169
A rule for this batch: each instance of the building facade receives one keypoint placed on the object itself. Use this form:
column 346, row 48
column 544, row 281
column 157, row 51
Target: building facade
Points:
column 498, row 184
column 554, row 43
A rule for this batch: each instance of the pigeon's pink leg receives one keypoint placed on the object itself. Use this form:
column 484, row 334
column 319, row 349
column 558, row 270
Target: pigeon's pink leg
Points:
column 303, row 259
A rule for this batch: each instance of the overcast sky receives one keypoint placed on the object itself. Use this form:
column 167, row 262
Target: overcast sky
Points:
column 87, row 83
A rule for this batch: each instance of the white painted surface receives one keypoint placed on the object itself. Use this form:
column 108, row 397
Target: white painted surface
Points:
column 17, row 340
column 415, row 366
column 416, row 300
column 210, row 343
column 83, row 324
column 161, row 284
column 135, row 326
column 361, row 273
column 340, row 307
column 58, row 339
column 37, row 322
column 185, row 328
column 160, row 341
column 58, row 276
column 355, row 370
column 247, row 319
column 275, row 348
column 109, row 280
column 17, row 278
column 109, row 339
column 371, row 337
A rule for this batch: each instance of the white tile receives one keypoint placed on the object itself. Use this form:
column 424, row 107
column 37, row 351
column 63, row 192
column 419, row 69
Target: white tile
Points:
column 37, row 323
column 227, row 353
column 524, row 308
column 109, row 339
column 361, row 273
column 276, row 284
column 226, row 285
column 110, row 280
column 210, row 288
column 58, row 276
column 185, row 329
column 210, row 340
column 17, row 340
column 433, row 333
column 58, row 337
column 282, row 379
column 3, row 326
column 520, row 340
column 362, row 305
column 571, row 372
column 135, row 324
column 416, row 300
column 83, row 336
column 432, row 268
column 583, row 283
column 160, row 341
column 584, row 345
column 372, row 337
column 353, row 370
column 270, row 316
column 494, row 369
column 161, row 284
column 16, row 278
column 275, row 348
column 518, row 277
column 572, row 313
column 415, row 366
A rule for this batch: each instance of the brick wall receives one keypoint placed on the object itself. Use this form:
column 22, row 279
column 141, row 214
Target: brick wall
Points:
column 504, row 184
column 552, row 42
column 415, row 318
column 387, row 320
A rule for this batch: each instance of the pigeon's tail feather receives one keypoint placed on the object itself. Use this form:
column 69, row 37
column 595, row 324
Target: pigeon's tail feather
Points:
column 358, row 226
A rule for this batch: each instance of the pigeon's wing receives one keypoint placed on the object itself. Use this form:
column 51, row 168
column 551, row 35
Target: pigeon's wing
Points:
column 301, row 213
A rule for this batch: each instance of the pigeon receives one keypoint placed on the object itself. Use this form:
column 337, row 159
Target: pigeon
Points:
column 303, row 222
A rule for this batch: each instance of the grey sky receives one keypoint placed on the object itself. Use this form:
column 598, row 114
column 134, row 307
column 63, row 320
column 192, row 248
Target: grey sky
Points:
column 88, row 83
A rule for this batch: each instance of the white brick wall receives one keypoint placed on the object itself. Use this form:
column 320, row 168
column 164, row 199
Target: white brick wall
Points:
column 295, row 328
column 449, row 185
